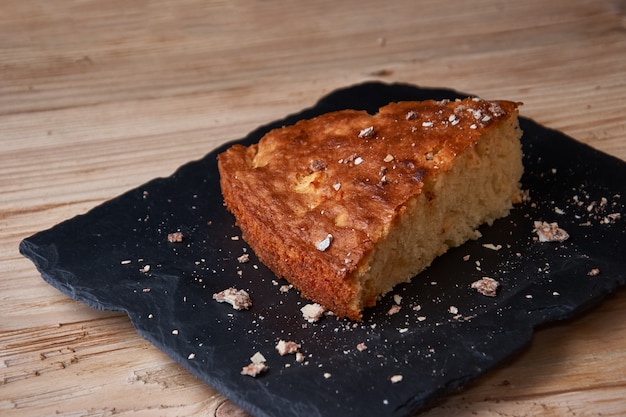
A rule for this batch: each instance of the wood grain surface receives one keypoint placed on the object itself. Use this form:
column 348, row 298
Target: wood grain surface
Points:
column 97, row 97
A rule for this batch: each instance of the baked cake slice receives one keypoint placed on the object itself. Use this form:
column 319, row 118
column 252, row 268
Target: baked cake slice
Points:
column 347, row 205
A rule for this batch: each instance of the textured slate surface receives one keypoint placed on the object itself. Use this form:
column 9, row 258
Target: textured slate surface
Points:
column 99, row 258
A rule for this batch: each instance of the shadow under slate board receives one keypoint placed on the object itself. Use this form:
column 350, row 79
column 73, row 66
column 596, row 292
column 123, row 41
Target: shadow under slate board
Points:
column 101, row 259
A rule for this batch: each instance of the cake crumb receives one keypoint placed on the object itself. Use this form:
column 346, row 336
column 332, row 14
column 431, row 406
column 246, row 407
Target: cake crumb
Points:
column 254, row 369
column 244, row 258
column 361, row 347
column 239, row 299
column 257, row 358
column 312, row 312
column 287, row 347
column 394, row 310
column 486, row 286
column 175, row 237
column 550, row 232
column 396, row 378
column 522, row 197
column 285, row 288
column 453, row 310
column 594, row 272
column 492, row 246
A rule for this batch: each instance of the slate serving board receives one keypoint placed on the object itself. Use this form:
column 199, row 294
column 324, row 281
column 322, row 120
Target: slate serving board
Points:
column 117, row 257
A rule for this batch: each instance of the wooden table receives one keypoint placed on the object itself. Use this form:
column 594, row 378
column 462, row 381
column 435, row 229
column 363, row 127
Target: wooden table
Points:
column 97, row 97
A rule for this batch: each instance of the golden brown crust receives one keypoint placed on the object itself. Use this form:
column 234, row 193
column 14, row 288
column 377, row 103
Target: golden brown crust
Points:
column 313, row 199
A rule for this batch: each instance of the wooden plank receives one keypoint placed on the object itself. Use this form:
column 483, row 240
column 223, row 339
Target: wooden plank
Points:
column 99, row 97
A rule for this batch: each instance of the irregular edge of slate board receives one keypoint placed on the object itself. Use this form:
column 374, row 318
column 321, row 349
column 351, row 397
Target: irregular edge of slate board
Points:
column 345, row 98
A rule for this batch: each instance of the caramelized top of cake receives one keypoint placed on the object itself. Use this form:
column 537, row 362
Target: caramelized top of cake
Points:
column 333, row 184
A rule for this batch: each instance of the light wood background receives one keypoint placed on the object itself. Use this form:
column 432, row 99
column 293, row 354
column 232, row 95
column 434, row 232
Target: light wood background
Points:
column 97, row 97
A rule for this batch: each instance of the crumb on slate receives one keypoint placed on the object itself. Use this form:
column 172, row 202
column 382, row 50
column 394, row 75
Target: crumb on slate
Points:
column 254, row 369
column 312, row 312
column 239, row 299
column 175, row 237
column 593, row 272
column 486, row 286
column 287, row 347
column 550, row 232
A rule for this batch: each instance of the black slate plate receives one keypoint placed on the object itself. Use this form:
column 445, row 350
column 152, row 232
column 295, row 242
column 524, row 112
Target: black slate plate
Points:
column 171, row 304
